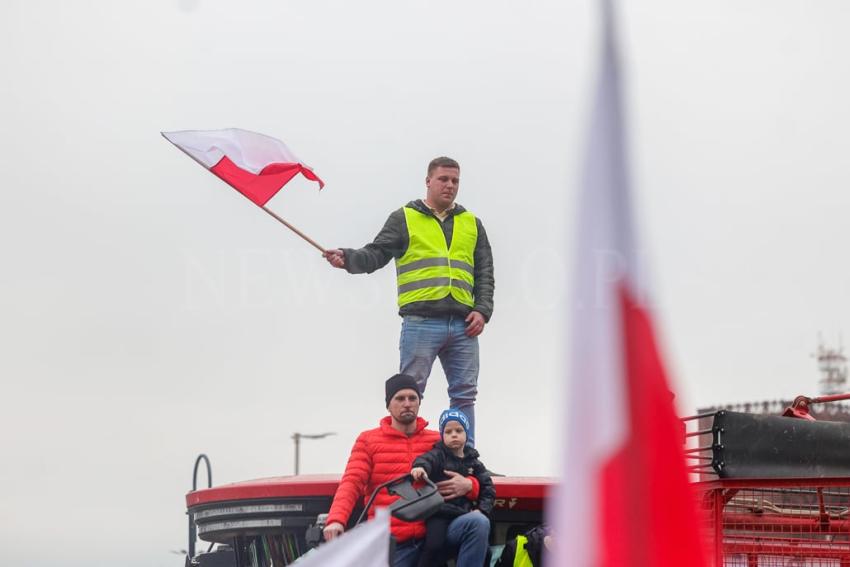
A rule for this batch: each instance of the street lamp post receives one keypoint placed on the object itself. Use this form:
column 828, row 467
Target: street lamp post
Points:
column 297, row 437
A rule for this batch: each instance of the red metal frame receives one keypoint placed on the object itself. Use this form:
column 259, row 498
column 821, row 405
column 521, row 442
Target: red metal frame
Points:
column 773, row 522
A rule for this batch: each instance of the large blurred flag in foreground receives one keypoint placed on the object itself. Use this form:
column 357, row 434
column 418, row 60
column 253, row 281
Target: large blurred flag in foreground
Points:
column 367, row 545
column 624, row 497
column 256, row 165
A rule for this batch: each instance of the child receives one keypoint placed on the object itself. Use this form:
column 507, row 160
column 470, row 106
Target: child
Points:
column 451, row 454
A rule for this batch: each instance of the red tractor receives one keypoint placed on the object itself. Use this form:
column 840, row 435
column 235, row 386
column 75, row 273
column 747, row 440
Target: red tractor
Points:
column 274, row 521
column 773, row 491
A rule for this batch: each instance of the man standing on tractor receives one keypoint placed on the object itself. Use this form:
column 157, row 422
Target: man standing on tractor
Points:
column 444, row 268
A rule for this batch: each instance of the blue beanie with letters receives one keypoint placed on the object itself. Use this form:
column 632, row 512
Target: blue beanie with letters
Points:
column 454, row 415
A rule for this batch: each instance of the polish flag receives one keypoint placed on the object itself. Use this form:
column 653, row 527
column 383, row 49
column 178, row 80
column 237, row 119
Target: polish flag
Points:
column 624, row 498
column 256, row 165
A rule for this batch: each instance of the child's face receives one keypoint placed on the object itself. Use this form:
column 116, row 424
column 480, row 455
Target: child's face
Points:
column 453, row 435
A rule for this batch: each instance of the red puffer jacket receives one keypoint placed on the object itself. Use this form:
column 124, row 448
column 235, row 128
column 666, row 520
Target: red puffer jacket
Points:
column 380, row 455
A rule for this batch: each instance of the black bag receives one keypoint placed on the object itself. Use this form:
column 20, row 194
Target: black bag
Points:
column 414, row 503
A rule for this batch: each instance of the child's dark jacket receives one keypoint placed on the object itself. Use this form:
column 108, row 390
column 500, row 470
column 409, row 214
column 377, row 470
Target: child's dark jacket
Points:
column 440, row 459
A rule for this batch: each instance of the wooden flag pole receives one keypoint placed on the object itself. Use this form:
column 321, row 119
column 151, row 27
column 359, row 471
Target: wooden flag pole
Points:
column 295, row 230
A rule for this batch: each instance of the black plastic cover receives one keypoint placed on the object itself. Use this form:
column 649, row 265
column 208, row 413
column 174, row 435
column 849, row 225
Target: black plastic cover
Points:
column 768, row 446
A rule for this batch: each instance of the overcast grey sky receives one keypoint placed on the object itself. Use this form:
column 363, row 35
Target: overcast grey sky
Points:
column 148, row 312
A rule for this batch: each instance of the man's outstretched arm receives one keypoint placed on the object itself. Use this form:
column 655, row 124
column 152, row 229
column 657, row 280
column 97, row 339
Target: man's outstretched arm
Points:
column 391, row 242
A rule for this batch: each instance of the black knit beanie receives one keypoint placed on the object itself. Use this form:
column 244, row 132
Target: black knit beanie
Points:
column 401, row 382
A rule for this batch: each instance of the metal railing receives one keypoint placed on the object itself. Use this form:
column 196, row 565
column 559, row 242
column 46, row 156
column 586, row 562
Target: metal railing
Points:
column 193, row 534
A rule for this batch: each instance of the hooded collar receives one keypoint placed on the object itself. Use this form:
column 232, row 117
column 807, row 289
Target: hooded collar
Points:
column 420, row 206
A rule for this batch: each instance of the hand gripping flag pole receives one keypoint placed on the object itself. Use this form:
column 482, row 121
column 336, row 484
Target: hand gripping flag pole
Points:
column 256, row 165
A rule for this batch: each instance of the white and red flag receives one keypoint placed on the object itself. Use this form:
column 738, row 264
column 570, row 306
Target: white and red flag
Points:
column 366, row 545
column 624, row 498
column 254, row 164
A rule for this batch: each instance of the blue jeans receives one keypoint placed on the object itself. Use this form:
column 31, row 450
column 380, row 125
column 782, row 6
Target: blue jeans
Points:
column 425, row 338
column 467, row 534
column 407, row 553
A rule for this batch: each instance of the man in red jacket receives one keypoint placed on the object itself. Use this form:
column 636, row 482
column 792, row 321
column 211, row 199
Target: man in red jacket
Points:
column 388, row 452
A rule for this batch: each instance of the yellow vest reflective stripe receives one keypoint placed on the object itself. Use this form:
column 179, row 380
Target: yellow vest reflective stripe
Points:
column 429, row 270
column 521, row 558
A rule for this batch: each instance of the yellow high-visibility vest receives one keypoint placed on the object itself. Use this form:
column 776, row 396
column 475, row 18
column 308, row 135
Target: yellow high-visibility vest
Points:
column 521, row 558
column 430, row 270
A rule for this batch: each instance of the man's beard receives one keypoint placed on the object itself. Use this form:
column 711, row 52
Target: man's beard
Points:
column 406, row 418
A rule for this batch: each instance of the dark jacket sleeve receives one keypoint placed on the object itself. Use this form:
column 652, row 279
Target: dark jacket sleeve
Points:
column 432, row 462
column 485, row 282
column 391, row 242
column 535, row 544
column 508, row 554
column 487, row 491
